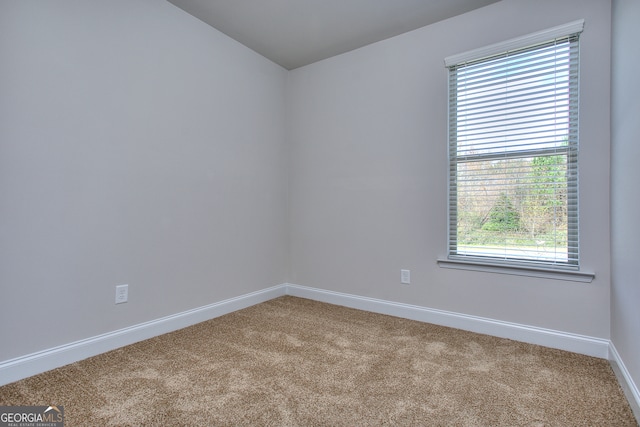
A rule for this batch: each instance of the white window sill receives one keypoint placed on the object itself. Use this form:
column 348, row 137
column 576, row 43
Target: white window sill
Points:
column 517, row 270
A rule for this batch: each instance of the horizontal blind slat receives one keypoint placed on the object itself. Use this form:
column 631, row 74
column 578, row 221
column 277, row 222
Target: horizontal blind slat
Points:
column 513, row 151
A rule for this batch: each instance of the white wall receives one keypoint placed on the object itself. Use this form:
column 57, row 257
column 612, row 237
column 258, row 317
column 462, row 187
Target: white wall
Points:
column 368, row 187
column 137, row 145
column 625, row 176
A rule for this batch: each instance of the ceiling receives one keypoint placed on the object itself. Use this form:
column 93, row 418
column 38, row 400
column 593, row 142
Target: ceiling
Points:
column 294, row 33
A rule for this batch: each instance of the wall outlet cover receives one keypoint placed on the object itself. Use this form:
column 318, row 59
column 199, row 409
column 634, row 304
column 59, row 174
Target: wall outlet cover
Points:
column 405, row 276
column 122, row 294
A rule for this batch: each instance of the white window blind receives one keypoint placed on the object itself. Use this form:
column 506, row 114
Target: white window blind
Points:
column 513, row 150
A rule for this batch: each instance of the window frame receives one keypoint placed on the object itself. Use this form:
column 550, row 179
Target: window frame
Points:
column 568, row 270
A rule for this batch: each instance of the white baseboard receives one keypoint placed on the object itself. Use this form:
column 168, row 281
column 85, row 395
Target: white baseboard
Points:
column 35, row 363
column 626, row 381
column 590, row 346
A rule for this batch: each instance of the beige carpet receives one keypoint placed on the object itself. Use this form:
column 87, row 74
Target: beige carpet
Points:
column 296, row 362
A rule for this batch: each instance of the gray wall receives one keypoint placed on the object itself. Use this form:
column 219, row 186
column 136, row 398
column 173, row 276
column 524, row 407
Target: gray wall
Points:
column 368, row 134
column 625, row 177
column 137, row 145
column 140, row 146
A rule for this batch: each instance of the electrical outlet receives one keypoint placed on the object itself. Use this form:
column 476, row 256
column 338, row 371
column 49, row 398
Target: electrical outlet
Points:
column 405, row 276
column 122, row 294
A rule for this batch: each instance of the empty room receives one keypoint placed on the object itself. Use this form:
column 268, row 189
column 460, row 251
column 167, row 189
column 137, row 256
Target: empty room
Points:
column 312, row 212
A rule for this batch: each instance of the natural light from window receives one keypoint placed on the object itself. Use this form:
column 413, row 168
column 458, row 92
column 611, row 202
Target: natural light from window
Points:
column 513, row 151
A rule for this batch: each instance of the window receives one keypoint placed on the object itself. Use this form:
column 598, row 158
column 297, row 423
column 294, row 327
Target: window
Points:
column 513, row 152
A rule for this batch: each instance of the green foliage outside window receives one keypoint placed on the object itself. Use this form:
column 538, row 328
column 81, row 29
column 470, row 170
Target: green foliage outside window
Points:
column 531, row 211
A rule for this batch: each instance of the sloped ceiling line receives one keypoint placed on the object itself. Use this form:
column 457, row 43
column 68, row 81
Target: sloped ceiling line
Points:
column 295, row 33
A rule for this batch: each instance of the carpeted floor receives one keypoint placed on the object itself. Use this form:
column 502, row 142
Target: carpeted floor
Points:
column 296, row 362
